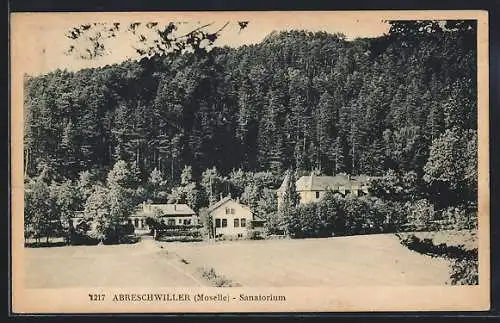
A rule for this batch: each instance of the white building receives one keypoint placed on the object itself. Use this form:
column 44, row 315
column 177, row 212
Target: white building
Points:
column 169, row 214
column 231, row 218
column 312, row 188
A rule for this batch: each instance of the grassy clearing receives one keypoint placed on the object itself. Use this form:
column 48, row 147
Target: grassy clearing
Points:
column 369, row 260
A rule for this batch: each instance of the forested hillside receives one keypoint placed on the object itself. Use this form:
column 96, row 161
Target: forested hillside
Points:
column 297, row 100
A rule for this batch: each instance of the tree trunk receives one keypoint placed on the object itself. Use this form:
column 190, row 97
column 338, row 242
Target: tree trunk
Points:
column 172, row 169
column 26, row 162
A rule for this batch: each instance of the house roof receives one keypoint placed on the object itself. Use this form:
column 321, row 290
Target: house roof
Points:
column 167, row 209
column 224, row 201
column 219, row 203
column 258, row 218
column 321, row 183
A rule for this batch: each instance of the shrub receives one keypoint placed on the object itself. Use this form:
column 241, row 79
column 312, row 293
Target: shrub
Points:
column 179, row 233
column 217, row 280
column 463, row 263
column 128, row 229
column 458, row 218
column 79, row 238
column 254, row 235
column 420, row 214
column 336, row 216
column 464, row 271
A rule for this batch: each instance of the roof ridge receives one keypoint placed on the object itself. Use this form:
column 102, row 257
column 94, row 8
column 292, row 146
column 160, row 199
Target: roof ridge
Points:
column 219, row 203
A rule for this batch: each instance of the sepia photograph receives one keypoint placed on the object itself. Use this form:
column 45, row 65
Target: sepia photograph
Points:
column 250, row 161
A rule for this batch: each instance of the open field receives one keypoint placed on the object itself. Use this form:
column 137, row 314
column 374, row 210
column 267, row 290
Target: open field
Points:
column 142, row 264
column 341, row 261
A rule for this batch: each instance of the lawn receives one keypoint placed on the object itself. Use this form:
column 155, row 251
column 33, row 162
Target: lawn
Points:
column 142, row 264
column 368, row 260
column 340, row 261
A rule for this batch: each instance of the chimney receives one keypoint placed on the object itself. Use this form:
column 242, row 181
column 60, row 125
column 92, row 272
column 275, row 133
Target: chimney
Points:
column 238, row 199
column 349, row 177
column 220, row 195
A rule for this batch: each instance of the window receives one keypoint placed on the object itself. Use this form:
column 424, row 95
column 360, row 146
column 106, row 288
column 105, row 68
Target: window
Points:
column 180, row 221
column 171, row 221
column 317, row 195
column 243, row 223
column 217, row 223
column 228, row 210
column 224, row 223
column 187, row 221
column 136, row 222
column 232, row 211
column 236, row 223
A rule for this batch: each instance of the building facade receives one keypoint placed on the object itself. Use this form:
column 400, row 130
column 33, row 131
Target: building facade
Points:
column 312, row 188
column 231, row 218
column 169, row 214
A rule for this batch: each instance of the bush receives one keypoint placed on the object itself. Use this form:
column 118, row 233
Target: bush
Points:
column 254, row 235
column 180, row 233
column 420, row 214
column 179, row 238
column 464, row 271
column 459, row 218
column 217, row 280
column 336, row 216
column 79, row 238
column 128, row 229
column 463, row 263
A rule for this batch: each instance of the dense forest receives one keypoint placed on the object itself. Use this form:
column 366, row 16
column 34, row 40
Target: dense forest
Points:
column 191, row 127
column 302, row 100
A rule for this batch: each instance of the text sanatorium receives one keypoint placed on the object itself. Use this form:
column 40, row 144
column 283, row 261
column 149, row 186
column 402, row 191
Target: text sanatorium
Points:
column 165, row 297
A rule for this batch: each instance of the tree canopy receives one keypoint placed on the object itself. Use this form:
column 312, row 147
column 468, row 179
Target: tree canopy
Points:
column 298, row 99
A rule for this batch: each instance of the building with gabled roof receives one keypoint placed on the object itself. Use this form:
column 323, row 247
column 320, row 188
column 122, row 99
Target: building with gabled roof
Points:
column 169, row 214
column 313, row 187
column 231, row 218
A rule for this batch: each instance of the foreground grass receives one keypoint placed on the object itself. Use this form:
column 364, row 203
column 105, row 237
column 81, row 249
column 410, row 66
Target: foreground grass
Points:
column 368, row 260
